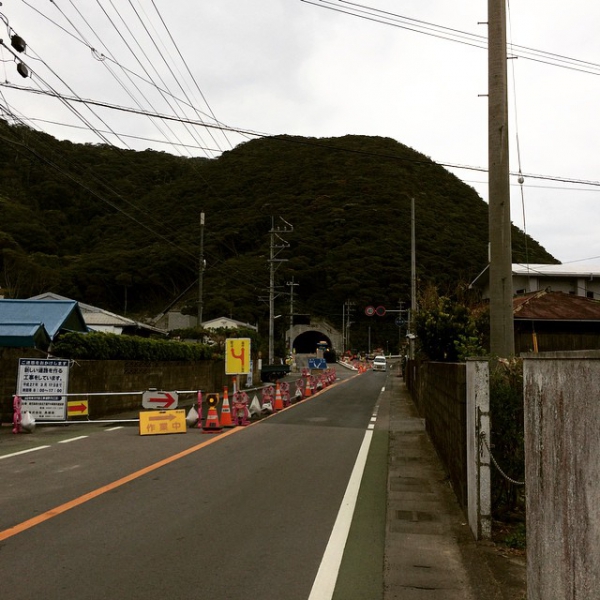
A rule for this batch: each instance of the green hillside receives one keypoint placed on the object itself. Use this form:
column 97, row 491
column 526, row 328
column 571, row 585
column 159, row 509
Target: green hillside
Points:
column 112, row 227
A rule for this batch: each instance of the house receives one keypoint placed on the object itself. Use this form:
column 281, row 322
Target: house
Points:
column 98, row 319
column 578, row 280
column 227, row 323
column 35, row 324
column 547, row 321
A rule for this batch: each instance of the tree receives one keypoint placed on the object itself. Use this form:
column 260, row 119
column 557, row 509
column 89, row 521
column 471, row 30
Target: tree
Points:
column 446, row 330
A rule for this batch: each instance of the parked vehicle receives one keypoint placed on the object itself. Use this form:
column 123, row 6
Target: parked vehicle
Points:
column 273, row 372
column 379, row 363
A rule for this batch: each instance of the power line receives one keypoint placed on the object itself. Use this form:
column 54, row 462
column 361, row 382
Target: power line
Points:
column 306, row 141
column 453, row 35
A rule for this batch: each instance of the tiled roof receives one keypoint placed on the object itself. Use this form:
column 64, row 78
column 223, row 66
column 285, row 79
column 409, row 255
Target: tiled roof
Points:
column 556, row 306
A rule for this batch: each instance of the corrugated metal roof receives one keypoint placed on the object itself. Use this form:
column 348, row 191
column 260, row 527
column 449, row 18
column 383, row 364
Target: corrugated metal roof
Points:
column 543, row 270
column 95, row 316
column 54, row 314
column 570, row 270
column 556, row 306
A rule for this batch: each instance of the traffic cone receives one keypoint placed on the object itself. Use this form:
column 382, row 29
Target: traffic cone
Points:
column 278, row 398
column 308, row 390
column 226, row 420
column 212, row 424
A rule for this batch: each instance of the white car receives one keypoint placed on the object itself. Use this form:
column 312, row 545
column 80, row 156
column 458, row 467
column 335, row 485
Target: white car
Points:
column 379, row 363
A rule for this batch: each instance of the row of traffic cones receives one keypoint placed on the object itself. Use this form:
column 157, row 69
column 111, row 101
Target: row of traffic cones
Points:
column 214, row 425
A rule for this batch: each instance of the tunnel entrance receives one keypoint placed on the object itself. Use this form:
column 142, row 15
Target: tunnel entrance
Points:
column 306, row 343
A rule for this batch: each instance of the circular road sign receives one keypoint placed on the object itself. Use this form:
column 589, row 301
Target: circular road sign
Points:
column 370, row 311
column 380, row 311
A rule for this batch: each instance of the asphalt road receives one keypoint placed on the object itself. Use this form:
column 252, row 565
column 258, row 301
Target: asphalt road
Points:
column 246, row 514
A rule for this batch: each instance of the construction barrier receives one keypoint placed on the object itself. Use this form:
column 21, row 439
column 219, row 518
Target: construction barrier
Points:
column 241, row 414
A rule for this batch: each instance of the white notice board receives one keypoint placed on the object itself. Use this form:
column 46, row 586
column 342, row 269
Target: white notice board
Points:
column 48, row 378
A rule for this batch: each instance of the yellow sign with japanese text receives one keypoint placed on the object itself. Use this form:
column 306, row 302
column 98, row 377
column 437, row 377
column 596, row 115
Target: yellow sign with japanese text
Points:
column 156, row 422
column 237, row 356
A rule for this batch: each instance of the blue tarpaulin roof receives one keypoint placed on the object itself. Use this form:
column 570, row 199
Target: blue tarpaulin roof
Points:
column 27, row 323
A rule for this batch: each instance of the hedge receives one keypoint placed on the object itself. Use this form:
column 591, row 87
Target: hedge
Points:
column 109, row 346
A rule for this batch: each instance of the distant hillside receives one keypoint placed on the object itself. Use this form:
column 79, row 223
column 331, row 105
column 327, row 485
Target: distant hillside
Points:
column 120, row 228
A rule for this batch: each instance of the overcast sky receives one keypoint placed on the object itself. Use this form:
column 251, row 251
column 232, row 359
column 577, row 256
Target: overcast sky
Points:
column 393, row 68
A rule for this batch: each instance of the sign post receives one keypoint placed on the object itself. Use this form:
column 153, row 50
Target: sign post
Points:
column 40, row 384
column 237, row 359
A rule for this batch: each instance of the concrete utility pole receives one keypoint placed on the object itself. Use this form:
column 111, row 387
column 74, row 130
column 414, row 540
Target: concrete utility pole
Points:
column 277, row 244
column 502, row 333
column 201, row 271
column 413, row 283
column 290, row 341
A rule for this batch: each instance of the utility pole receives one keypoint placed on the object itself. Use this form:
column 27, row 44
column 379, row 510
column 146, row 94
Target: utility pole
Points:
column 413, row 283
column 348, row 305
column 292, row 286
column 277, row 244
column 201, row 271
column 502, row 334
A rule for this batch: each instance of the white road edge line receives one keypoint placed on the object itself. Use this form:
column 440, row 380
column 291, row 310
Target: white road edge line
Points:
column 81, row 437
column 114, row 428
column 23, row 452
column 324, row 584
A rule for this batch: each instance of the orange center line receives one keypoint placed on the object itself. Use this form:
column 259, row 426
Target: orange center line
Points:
column 54, row 512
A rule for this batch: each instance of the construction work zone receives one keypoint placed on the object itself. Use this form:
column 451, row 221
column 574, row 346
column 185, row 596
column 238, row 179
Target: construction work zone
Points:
column 209, row 412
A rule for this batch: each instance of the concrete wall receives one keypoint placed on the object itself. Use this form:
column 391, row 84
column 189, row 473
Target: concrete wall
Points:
column 439, row 390
column 117, row 376
column 562, row 468
column 479, row 483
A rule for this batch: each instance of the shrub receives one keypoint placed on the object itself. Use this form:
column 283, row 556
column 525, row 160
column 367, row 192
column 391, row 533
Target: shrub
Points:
column 109, row 346
column 507, row 433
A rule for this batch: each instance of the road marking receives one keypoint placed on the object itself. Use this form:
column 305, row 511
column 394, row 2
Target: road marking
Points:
column 81, row 437
column 114, row 428
column 23, row 452
column 324, row 584
column 53, row 512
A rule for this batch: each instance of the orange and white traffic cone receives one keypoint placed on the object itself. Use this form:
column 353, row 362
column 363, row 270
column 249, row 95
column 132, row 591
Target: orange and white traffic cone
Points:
column 212, row 424
column 278, row 398
column 308, row 390
column 226, row 420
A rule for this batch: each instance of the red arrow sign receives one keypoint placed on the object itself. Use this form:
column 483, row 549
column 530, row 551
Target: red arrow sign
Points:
column 166, row 399
column 156, row 399
column 77, row 408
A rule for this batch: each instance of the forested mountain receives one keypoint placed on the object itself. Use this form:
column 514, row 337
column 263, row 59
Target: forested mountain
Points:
column 111, row 227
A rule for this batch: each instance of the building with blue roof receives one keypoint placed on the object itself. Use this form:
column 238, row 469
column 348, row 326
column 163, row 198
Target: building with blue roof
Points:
column 36, row 323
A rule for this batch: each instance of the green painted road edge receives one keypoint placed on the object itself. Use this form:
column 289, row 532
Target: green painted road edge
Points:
column 361, row 571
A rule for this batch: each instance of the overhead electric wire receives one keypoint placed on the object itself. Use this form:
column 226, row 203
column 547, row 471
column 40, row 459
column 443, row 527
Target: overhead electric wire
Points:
column 102, row 58
column 190, row 72
column 37, row 78
column 128, row 46
column 125, row 135
column 169, row 67
column 454, row 35
column 308, row 142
